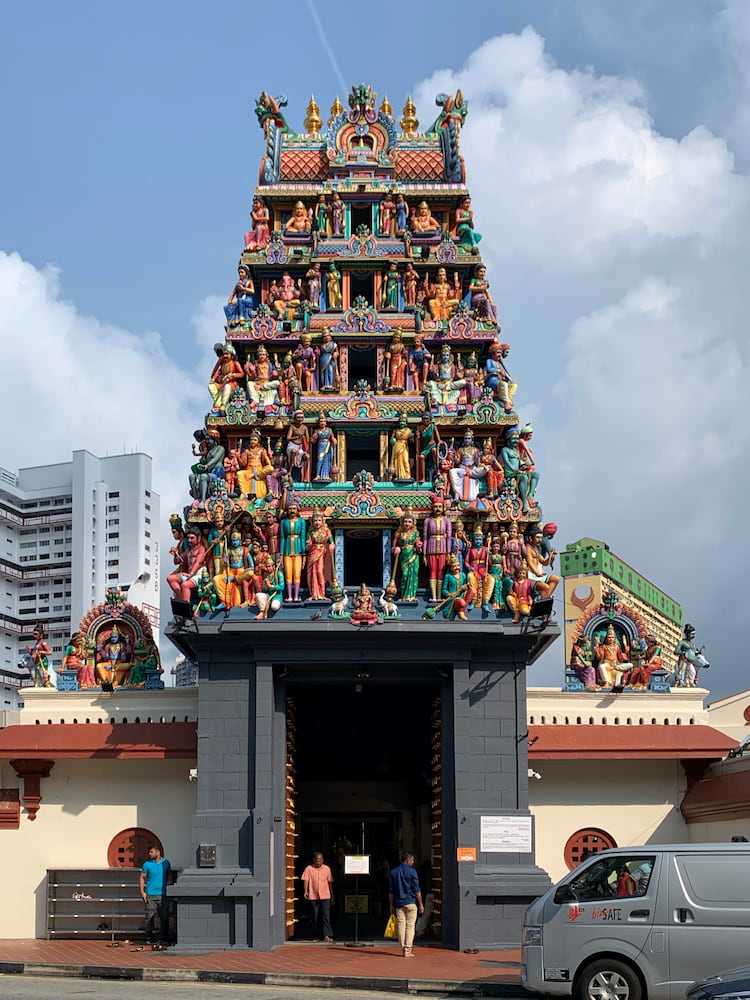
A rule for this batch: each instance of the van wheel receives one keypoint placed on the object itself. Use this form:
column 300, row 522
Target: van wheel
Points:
column 608, row 979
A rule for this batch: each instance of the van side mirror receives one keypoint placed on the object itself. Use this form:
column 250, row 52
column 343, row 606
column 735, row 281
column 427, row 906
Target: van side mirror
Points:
column 565, row 894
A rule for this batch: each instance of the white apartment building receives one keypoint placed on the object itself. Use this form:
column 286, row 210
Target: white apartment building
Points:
column 68, row 532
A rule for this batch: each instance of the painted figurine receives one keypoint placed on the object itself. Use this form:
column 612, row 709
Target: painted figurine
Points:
column 324, row 442
column 497, row 377
column 538, row 564
column 689, row 660
column 240, row 303
column 581, row 663
column 402, row 214
column 400, row 451
column 298, row 447
column 319, row 557
column 423, row 223
column 527, row 458
column 226, row 376
column 260, row 235
column 321, row 216
column 436, row 545
column 184, row 581
column 480, row 300
column 411, row 278
column 262, row 381
column 612, row 655
column 286, row 297
column 255, row 466
column 328, row 360
column 336, row 210
column 305, row 362
column 293, row 543
column 333, row 287
column 389, row 296
column 466, row 235
column 419, row 363
column 407, row 546
column 469, row 471
column 364, row 612
column 298, row 223
column 387, row 216
column 396, row 359
column 427, row 450
column 444, row 297
column 40, row 654
column 495, row 475
column 521, row 595
column 514, row 474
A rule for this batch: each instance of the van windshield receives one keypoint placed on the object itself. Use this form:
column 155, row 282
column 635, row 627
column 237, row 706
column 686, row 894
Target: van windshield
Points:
column 608, row 877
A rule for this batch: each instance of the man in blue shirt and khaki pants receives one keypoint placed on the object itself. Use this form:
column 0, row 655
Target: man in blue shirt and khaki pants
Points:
column 153, row 888
column 406, row 901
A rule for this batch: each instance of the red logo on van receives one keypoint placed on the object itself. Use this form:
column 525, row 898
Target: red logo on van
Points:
column 574, row 911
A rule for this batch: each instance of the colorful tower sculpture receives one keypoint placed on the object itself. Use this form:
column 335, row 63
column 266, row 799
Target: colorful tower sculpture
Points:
column 362, row 464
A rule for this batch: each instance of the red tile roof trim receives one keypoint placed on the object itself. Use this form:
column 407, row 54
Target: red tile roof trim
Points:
column 598, row 742
column 123, row 740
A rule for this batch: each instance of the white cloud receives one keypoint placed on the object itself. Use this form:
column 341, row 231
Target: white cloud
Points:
column 618, row 258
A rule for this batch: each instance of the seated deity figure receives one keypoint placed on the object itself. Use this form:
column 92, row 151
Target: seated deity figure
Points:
column 465, row 478
column 580, row 662
column 423, row 223
column 465, row 232
column 225, row 377
column 113, row 660
column 444, row 297
column 240, row 304
column 539, row 564
column 445, row 387
column 255, row 467
column 612, row 656
column 260, row 234
column 286, row 297
column 298, row 223
column 262, row 380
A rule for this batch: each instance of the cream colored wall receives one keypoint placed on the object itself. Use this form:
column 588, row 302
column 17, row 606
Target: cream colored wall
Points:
column 48, row 705
column 728, row 715
column 84, row 804
column 636, row 802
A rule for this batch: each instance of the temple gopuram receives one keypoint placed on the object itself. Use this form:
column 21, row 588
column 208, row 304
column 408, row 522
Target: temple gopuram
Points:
column 362, row 571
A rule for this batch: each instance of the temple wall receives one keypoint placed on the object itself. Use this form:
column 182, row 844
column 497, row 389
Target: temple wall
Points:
column 85, row 803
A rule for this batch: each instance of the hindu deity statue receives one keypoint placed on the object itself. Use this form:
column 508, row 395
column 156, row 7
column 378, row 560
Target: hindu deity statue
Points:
column 419, row 363
column 437, row 533
column 293, row 544
column 581, row 663
column 396, row 361
column 411, row 278
column 270, row 596
column 240, row 304
column 238, row 566
column 690, row 659
column 480, row 300
column 227, row 374
column 513, row 471
column 389, row 295
column 286, row 296
column 324, row 443
column 321, row 216
column 79, row 657
column 423, row 223
column 457, row 591
column 333, row 287
column 527, row 458
column 521, row 595
column 427, row 448
column 495, row 475
column 319, row 557
column 466, row 235
column 305, row 362
column 364, row 612
column 402, row 215
column 313, row 286
column 468, row 473
column 299, row 223
column 497, row 377
column 407, row 546
column 387, row 216
column 445, row 387
column 538, row 564
column 612, row 655
column 113, row 660
column 328, row 359
column 400, row 440
column 298, row 447
column 444, row 297
column 255, row 467
column 209, row 466
column 258, row 238
column 336, row 210
column 262, row 380
column 40, row 654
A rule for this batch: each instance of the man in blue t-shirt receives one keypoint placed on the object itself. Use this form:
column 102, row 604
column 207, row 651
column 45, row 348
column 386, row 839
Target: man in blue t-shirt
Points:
column 406, row 901
column 153, row 888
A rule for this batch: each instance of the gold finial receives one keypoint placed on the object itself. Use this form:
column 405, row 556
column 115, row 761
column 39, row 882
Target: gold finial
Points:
column 386, row 108
column 409, row 122
column 313, row 123
column 336, row 108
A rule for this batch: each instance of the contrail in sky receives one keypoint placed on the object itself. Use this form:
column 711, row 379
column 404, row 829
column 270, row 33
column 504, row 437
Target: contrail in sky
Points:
column 326, row 45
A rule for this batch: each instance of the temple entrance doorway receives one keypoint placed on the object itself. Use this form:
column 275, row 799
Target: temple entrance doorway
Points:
column 362, row 448
column 363, row 365
column 364, row 769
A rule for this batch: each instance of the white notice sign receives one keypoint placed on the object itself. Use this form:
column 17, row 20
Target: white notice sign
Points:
column 356, row 864
column 505, row 834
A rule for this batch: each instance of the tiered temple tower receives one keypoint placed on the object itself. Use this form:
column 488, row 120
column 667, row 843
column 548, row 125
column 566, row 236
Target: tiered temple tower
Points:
column 363, row 546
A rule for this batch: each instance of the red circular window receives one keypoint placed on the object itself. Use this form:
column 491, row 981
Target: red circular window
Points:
column 129, row 849
column 584, row 843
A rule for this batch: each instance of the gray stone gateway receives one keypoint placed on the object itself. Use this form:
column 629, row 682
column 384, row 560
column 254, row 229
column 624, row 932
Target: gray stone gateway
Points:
column 310, row 732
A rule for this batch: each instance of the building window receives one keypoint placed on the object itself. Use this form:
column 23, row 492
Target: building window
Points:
column 584, row 843
column 113, row 534
column 111, row 496
column 113, row 548
column 129, row 849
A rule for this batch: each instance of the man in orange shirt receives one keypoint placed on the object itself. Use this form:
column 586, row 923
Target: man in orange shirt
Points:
column 318, row 882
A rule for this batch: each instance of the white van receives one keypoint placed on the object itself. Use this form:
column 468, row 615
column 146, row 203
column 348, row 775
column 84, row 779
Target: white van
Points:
column 640, row 923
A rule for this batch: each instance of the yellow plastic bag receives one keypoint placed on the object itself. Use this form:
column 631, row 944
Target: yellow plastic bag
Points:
column 391, row 928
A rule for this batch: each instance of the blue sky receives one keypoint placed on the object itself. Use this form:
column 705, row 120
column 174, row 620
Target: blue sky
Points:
column 607, row 148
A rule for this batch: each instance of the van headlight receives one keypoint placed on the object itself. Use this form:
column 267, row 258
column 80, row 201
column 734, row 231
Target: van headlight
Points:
column 532, row 936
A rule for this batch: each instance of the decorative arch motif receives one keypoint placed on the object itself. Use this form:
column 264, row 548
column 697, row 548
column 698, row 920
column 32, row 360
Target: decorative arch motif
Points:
column 584, row 843
column 129, row 848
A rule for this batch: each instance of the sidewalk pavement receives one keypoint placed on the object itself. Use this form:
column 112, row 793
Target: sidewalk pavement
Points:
column 381, row 966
